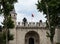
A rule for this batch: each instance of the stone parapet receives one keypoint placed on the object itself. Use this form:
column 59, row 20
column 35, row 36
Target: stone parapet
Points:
column 31, row 24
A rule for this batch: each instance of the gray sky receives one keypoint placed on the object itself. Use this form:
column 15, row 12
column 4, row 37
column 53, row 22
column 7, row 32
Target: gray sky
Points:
column 25, row 8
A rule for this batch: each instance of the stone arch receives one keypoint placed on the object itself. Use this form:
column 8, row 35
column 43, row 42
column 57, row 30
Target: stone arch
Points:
column 34, row 36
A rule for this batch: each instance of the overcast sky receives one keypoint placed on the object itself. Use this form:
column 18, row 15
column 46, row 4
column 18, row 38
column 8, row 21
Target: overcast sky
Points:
column 25, row 8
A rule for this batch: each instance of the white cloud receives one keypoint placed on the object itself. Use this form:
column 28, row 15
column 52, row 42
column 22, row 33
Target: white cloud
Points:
column 36, row 18
column 21, row 16
column 25, row 8
column 25, row 5
column 1, row 19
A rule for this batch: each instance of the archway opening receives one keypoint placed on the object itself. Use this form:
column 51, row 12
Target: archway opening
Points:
column 32, row 37
column 31, row 40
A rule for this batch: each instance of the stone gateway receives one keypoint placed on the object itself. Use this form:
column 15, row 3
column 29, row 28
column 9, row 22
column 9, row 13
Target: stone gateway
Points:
column 31, row 33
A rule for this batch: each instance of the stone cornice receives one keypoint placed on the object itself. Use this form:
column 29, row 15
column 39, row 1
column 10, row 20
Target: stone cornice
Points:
column 31, row 28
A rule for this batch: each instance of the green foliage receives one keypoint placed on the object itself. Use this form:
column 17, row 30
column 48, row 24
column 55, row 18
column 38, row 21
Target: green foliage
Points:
column 57, row 43
column 6, row 6
column 12, row 1
column 1, row 28
column 53, row 7
column 48, row 35
column 10, row 36
column 9, row 23
column 3, row 37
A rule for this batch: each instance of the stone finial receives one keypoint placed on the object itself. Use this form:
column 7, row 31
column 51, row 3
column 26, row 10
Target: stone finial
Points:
column 40, row 21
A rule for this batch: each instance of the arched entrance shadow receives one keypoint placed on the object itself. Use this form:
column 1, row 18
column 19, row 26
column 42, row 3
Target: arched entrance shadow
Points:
column 31, row 40
column 32, row 37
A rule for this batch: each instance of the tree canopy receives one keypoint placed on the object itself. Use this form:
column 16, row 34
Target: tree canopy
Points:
column 1, row 28
column 6, row 6
column 51, row 8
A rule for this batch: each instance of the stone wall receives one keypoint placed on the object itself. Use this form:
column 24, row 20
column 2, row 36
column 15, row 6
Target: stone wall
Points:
column 21, row 30
column 40, row 28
